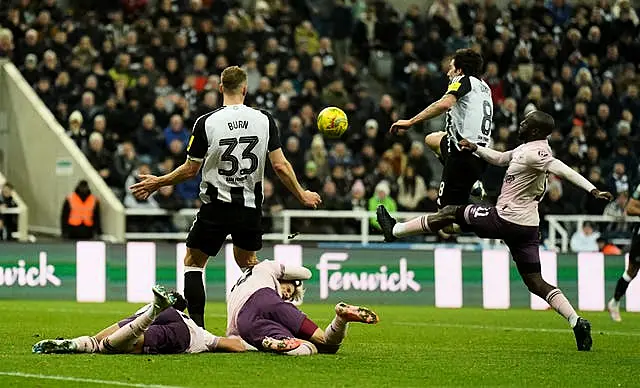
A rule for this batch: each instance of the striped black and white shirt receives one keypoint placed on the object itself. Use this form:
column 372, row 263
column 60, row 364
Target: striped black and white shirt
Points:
column 472, row 116
column 233, row 143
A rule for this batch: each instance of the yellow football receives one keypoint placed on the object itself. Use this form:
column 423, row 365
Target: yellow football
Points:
column 332, row 122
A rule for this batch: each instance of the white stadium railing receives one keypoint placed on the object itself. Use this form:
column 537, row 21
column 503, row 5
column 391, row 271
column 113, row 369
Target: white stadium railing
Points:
column 363, row 237
column 560, row 226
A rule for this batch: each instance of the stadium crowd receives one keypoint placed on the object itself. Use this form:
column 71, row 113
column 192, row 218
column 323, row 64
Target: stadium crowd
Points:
column 127, row 80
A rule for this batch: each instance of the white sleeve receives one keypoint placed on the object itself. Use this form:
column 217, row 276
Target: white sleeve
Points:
column 284, row 272
column 292, row 272
column 494, row 157
column 560, row 169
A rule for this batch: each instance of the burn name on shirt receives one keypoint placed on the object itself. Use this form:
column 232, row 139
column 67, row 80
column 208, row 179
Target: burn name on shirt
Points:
column 238, row 124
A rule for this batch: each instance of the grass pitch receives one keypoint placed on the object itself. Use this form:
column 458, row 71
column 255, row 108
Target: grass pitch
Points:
column 410, row 347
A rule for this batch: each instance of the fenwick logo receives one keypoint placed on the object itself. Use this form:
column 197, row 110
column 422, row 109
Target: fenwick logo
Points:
column 30, row 276
column 383, row 281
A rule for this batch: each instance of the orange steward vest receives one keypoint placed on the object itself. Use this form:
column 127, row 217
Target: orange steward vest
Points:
column 81, row 212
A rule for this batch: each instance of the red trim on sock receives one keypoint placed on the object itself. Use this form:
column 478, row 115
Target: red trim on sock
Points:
column 307, row 329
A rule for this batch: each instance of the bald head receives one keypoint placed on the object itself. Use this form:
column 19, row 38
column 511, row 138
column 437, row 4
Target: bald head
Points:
column 537, row 125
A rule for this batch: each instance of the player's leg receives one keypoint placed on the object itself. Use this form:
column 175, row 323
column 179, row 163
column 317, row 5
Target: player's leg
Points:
column 205, row 239
column 527, row 257
column 128, row 338
column 270, row 336
column 329, row 340
column 420, row 225
column 247, row 237
column 434, row 141
column 244, row 258
column 269, row 323
column 623, row 283
column 194, row 290
column 86, row 344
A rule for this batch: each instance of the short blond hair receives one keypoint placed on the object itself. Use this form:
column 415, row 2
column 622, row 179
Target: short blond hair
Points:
column 233, row 78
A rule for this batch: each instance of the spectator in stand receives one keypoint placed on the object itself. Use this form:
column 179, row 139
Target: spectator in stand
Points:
column 176, row 131
column 607, row 248
column 9, row 221
column 585, row 240
column 575, row 64
column 80, row 217
column 429, row 203
column 100, row 158
column 616, row 209
column 340, row 154
column 382, row 196
column 311, row 181
column 411, row 190
column 30, row 69
column 6, row 43
column 124, row 163
column 168, row 200
column 272, row 205
column 618, row 182
column 149, row 139
column 189, row 192
column 110, row 139
column 589, row 206
column 319, row 155
column 419, row 161
column 5, row 235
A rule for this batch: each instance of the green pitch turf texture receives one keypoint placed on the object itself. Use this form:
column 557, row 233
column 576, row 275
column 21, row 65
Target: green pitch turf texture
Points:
column 410, row 347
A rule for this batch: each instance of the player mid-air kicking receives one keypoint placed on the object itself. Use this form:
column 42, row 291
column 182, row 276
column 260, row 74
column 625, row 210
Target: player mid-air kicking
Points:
column 515, row 217
column 157, row 328
column 259, row 311
column 632, row 209
column 469, row 114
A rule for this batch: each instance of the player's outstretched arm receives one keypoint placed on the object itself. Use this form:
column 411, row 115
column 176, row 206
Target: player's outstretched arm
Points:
column 150, row 183
column 285, row 173
column 433, row 110
column 492, row 156
column 556, row 167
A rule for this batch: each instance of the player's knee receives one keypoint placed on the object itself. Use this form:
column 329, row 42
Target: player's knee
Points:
column 195, row 258
column 244, row 258
column 536, row 284
column 449, row 212
column 432, row 141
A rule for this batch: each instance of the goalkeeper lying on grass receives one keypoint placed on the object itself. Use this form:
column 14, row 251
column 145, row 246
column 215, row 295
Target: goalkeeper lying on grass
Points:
column 268, row 323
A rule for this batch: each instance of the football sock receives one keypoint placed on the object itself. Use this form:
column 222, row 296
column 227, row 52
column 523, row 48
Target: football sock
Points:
column 211, row 341
column 86, row 344
column 336, row 331
column 412, row 227
column 305, row 349
column 125, row 337
column 561, row 304
column 194, row 294
column 621, row 286
column 614, row 303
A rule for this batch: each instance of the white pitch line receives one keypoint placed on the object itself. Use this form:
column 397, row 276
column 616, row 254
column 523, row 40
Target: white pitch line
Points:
column 83, row 380
column 506, row 328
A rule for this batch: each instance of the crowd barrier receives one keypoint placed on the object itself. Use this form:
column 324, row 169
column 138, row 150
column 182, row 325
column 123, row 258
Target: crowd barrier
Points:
column 379, row 274
column 561, row 227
